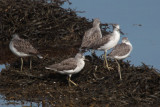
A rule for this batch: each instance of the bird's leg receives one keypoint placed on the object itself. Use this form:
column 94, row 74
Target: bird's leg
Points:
column 21, row 64
column 69, row 80
column 30, row 63
column 105, row 61
column 93, row 52
column 119, row 70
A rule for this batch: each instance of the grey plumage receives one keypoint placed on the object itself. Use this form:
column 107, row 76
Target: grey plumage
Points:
column 92, row 34
column 104, row 43
column 120, row 50
column 87, row 41
column 23, row 46
column 66, row 64
column 99, row 42
column 69, row 66
column 95, row 41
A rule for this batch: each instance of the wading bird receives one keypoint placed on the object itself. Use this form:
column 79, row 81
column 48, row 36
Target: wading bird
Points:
column 22, row 48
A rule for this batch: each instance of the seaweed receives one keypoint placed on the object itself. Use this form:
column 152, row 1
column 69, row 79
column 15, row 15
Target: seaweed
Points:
column 57, row 33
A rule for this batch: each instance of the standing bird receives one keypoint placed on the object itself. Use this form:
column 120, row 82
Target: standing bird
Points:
column 69, row 66
column 107, row 42
column 92, row 34
column 22, row 48
column 121, row 51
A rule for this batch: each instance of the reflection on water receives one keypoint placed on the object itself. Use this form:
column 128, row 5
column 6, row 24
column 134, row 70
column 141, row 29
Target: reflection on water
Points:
column 2, row 67
column 6, row 56
column 11, row 103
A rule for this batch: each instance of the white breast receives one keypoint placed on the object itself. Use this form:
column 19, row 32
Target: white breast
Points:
column 79, row 67
column 112, row 43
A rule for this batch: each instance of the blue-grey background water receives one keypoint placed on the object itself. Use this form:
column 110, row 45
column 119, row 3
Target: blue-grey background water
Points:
column 129, row 14
column 1, row 67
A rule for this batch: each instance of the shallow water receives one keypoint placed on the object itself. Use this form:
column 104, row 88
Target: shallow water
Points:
column 11, row 103
column 2, row 67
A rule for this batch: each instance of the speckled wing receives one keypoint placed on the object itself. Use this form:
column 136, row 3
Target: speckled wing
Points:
column 68, row 64
column 120, row 50
column 24, row 46
column 100, row 42
column 90, row 37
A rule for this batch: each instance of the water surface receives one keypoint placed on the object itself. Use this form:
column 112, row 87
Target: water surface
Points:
column 129, row 14
column 2, row 67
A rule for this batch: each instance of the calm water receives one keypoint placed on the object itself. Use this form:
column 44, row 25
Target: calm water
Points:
column 145, row 39
column 2, row 67
column 4, row 103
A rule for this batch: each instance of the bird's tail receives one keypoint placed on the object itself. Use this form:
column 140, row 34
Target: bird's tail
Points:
column 47, row 67
column 39, row 56
column 51, row 68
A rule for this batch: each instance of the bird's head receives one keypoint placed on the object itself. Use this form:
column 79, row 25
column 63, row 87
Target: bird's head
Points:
column 125, row 40
column 96, row 22
column 15, row 36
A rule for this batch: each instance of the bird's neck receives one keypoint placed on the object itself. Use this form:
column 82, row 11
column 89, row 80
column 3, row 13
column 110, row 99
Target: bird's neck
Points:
column 80, row 62
column 96, row 26
column 116, row 33
column 16, row 38
column 116, row 30
column 128, row 43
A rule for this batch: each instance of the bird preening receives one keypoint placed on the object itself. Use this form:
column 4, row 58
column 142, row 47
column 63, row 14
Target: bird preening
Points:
column 92, row 40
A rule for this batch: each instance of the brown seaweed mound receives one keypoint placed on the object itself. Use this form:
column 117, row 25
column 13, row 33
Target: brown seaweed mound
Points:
column 96, row 87
column 48, row 27
column 57, row 33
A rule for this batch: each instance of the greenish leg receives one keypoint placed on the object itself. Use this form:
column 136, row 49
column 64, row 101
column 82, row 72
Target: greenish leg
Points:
column 69, row 80
column 106, row 62
column 21, row 64
column 30, row 64
column 119, row 70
